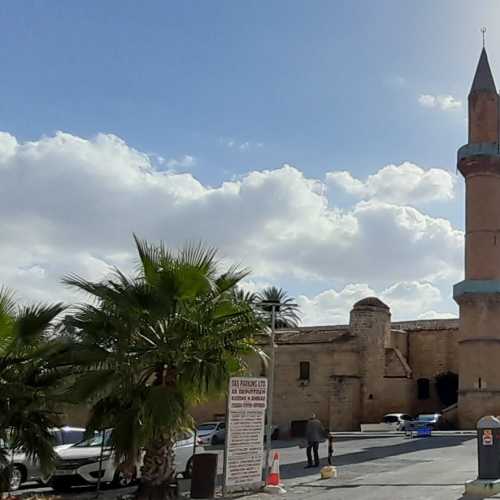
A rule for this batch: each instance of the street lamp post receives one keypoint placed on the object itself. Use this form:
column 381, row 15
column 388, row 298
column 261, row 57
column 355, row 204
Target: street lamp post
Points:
column 270, row 392
column 275, row 306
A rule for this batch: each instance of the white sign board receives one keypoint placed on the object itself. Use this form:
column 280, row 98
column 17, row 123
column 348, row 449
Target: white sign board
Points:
column 247, row 398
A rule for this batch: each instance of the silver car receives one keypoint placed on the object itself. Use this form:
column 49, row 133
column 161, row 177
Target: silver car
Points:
column 211, row 432
column 23, row 470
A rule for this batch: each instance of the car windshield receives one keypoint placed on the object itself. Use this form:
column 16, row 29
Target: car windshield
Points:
column 206, row 427
column 389, row 419
column 95, row 441
column 427, row 418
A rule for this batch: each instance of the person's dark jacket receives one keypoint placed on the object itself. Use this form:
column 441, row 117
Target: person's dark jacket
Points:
column 314, row 431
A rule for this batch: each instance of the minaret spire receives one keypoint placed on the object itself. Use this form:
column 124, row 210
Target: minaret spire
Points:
column 483, row 79
column 483, row 105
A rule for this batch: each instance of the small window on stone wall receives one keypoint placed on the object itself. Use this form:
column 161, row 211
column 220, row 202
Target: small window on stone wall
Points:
column 304, row 370
column 423, row 388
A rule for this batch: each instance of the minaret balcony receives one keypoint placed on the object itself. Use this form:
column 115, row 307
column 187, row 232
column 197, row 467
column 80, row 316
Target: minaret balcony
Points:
column 479, row 149
column 481, row 157
column 470, row 288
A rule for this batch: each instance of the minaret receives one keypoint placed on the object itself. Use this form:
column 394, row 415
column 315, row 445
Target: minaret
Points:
column 478, row 295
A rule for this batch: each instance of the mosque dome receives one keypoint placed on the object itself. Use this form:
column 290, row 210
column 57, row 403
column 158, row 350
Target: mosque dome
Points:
column 370, row 302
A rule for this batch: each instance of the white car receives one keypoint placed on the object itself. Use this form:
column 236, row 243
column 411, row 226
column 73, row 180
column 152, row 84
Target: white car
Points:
column 214, row 433
column 80, row 464
column 23, row 470
column 399, row 420
column 211, row 432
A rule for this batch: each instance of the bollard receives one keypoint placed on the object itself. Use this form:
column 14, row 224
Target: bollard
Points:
column 488, row 459
column 488, row 448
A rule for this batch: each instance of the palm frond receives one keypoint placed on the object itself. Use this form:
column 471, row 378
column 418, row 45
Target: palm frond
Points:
column 33, row 321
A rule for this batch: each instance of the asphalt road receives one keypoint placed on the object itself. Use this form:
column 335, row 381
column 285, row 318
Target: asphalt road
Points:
column 377, row 468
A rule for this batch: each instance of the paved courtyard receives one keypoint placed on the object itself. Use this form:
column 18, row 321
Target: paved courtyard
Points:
column 377, row 468
column 386, row 468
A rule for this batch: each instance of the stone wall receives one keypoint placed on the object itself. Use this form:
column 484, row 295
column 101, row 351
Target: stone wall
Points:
column 295, row 399
column 431, row 352
column 350, row 363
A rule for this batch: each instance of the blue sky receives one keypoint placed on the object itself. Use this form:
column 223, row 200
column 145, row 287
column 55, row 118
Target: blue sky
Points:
column 223, row 88
column 315, row 82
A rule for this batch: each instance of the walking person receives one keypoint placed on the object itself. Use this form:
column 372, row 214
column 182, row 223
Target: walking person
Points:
column 315, row 433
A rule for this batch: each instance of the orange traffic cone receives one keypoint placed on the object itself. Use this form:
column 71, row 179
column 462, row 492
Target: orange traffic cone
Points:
column 273, row 479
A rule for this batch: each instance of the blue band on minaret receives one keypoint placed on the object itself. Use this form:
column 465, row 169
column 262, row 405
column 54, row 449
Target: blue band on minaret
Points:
column 478, row 287
column 480, row 149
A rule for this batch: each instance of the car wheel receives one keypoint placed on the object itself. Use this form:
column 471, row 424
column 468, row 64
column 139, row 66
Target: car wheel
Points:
column 188, row 473
column 215, row 441
column 122, row 479
column 16, row 478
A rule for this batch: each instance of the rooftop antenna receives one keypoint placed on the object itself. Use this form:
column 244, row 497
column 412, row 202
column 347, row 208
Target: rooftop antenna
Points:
column 483, row 31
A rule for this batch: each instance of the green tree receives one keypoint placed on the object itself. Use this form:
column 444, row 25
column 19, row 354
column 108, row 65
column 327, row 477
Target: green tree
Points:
column 154, row 344
column 29, row 385
column 287, row 312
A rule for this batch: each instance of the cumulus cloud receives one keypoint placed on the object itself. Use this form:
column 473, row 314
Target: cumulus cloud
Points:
column 442, row 102
column 406, row 184
column 181, row 161
column 69, row 204
column 407, row 300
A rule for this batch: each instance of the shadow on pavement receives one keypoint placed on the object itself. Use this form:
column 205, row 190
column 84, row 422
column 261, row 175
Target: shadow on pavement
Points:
column 289, row 471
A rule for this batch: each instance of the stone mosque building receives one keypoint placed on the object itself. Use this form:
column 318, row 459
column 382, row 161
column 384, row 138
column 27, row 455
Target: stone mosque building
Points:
column 353, row 374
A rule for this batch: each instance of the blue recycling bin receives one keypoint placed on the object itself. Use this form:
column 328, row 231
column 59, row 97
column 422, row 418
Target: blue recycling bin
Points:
column 424, row 431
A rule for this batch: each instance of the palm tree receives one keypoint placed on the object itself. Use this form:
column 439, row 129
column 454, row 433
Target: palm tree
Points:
column 28, row 383
column 287, row 313
column 154, row 344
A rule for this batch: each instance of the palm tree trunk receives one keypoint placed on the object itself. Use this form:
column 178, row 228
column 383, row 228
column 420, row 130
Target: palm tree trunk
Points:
column 159, row 470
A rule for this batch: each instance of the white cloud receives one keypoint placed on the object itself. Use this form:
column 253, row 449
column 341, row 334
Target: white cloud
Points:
column 240, row 145
column 181, row 161
column 69, row 204
column 253, row 286
column 406, row 184
column 407, row 300
column 442, row 102
column 331, row 307
column 427, row 101
column 410, row 299
column 437, row 315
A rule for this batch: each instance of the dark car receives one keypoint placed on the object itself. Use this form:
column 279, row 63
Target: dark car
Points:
column 431, row 420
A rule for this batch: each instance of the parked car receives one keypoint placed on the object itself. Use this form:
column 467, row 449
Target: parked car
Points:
column 80, row 463
column 399, row 419
column 23, row 470
column 432, row 420
column 214, row 433
column 211, row 432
